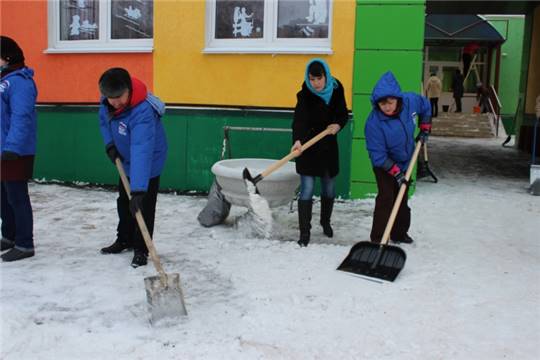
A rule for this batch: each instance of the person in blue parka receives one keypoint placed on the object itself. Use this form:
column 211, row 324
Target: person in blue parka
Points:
column 390, row 142
column 130, row 123
column 19, row 122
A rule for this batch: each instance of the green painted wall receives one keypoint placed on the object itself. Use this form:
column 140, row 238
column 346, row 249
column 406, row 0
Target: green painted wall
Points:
column 70, row 147
column 512, row 29
column 389, row 35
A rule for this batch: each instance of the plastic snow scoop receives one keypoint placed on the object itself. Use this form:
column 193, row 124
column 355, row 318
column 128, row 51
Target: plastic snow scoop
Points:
column 254, row 180
column 381, row 261
column 423, row 167
column 163, row 292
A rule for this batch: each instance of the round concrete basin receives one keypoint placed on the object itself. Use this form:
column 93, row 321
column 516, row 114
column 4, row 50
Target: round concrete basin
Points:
column 277, row 188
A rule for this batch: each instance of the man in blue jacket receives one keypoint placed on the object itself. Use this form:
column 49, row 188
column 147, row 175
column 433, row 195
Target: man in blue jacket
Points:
column 130, row 123
column 19, row 122
column 390, row 142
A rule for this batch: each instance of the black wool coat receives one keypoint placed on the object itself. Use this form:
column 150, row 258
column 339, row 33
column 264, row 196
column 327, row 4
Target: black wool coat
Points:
column 311, row 116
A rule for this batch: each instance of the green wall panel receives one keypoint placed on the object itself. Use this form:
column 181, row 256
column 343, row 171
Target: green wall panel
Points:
column 361, row 190
column 402, row 27
column 361, row 168
column 361, row 107
column 369, row 65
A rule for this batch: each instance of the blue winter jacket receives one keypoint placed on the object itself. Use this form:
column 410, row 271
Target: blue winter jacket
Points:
column 139, row 136
column 18, row 112
column 390, row 140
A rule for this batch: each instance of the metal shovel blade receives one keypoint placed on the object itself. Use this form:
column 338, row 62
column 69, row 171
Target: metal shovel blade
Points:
column 164, row 301
column 374, row 260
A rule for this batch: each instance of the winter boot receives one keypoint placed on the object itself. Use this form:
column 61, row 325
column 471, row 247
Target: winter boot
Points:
column 17, row 254
column 117, row 247
column 140, row 258
column 6, row 244
column 304, row 221
column 327, row 204
column 405, row 239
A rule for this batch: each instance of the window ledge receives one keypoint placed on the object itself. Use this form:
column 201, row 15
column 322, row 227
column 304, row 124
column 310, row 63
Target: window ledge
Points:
column 142, row 49
column 268, row 50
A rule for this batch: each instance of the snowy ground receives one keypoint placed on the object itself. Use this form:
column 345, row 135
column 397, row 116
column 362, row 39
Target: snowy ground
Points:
column 470, row 288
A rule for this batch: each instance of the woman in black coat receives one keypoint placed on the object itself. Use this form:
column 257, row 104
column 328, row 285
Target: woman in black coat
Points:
column 321, row 105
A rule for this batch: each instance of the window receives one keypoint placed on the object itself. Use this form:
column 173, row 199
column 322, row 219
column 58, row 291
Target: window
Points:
column 100, row 26
column 268, row 26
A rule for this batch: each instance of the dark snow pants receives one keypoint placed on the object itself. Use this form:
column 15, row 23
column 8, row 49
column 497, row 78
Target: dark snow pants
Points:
column 16, row 213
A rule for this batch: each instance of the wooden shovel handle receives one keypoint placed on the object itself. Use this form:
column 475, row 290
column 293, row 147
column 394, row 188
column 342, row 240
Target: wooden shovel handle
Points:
column 425, row 152
column 142, row 225
column 294, row 154
column 402, row 189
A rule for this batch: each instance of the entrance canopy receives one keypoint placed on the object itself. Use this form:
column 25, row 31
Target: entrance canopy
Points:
column 459, row 30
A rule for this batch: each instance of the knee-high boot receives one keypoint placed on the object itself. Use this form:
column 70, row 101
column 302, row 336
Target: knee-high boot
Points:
column 327, row 205
column 304, row 221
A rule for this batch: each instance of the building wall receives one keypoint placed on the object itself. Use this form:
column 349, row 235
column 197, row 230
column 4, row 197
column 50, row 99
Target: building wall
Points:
column 184, row 75
column 62, row 78
column 533, row 78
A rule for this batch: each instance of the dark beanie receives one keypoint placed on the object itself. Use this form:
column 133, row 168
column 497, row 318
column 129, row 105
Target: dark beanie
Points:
column 10, row 51
column 114, row 82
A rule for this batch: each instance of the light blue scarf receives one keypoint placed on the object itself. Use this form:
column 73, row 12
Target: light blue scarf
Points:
column 331, row 83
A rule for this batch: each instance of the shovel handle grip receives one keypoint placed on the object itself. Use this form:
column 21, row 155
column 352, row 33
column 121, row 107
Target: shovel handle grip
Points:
column 399, row 198
column 142, row 225
column 294, row 154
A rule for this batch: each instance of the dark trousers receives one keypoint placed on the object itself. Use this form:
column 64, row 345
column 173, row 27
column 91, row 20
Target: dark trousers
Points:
column 458, row 103
column 434, row 106
column 128, row 230
column 387, row 192
column 16, row 213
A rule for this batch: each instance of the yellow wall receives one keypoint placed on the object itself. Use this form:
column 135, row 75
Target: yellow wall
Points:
column 533, row 81
column 184, row 75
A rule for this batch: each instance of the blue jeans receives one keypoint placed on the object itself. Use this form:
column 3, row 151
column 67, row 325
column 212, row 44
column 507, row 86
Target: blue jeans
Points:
column 307, row 185
column 16, row 213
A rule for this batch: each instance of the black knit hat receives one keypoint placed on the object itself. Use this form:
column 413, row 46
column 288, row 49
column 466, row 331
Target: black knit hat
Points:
column 114, row 82
column 10, row 51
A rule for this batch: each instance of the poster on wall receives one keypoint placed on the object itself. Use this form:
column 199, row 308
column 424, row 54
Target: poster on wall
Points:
column 79, row 19
column 239, row 19
column 303, row 19
column 132, row 19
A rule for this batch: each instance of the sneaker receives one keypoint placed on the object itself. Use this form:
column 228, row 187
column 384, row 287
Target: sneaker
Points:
column 116, row 248
column 405, row 240
column 139, row 259
column 6, row 244
column 17, row 254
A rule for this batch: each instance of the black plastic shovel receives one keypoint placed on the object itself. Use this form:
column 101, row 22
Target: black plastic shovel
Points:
column 381, row 261
column 163, row 292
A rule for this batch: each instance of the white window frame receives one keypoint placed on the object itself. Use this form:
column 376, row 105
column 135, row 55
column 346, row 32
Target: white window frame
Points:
column 103, row 45
column 269, row 43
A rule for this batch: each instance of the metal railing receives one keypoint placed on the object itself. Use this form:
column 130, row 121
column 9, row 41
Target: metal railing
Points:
column 495, row 107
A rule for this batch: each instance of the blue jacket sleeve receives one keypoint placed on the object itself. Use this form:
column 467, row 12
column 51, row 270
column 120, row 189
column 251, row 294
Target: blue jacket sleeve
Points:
column 376, row 144
column 423, row 109
column 104, row 126
column 22, row 102
column 142, row 130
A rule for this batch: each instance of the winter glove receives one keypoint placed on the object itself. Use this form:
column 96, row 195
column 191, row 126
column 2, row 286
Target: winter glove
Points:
column 425, row 129
column 136, row 202
column 112, row 153
column 9, row 155
column 396, row 172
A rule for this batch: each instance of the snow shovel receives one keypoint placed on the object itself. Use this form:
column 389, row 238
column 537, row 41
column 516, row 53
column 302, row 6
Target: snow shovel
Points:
column 163, row 292
column 254, row 180
column 424, row 169
column 381, row 261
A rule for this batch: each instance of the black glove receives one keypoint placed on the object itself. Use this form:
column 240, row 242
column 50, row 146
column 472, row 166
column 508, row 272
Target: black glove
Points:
column 9, row 155
column 112, row 153
column 425, row 129
column 136, row 202
column 396, row 172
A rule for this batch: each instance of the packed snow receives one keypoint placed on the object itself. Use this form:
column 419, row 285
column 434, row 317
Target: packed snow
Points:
column 470, row 288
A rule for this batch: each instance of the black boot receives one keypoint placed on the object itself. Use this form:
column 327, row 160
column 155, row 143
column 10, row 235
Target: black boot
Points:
column 405, row 239
column 304, row 221
column 327, row 204
column 117, row 247
column 6, row 244
column 140, row 258
column 16, row 254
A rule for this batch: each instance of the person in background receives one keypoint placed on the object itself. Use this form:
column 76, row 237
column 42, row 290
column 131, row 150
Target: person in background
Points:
column 390, row 142
column 433, row 92
column 19, row 136
column 320, row 105
column 131, row 127
column 457, row 89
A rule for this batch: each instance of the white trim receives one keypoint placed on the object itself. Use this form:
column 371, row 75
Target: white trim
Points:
column 103, row 45
column 269, row 43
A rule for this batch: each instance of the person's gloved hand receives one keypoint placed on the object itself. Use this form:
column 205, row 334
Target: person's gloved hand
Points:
column 9, row 155
column 396, row 172
column 112, row 153
column 425, row 129
column 136, row 202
